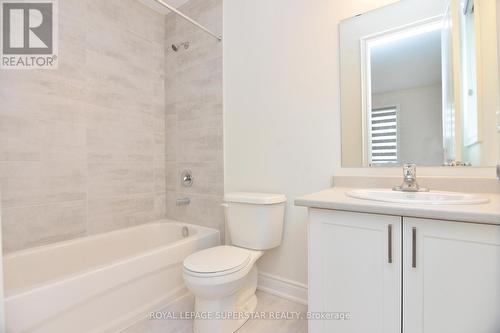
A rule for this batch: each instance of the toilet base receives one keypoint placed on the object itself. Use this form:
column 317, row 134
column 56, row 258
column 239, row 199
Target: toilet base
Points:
column 228, row 314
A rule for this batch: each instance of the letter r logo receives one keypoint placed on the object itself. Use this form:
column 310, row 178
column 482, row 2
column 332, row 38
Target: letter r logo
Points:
column 27, row 28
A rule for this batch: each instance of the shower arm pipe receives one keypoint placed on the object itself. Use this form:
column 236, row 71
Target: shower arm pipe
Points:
column 187, row 18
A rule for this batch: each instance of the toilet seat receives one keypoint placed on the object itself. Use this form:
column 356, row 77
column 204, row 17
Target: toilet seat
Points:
column 217, row 261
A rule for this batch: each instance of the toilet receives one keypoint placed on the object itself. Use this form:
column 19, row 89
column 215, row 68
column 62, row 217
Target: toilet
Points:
column 223, row 279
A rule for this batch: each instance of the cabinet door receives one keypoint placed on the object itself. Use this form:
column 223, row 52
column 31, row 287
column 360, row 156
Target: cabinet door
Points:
column 451, row 277
column 351, row 270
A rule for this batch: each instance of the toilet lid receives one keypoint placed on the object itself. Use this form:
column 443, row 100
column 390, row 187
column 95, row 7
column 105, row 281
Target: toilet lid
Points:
column 217, row 259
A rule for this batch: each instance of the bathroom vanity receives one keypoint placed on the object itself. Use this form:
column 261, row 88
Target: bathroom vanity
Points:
column 409, row 268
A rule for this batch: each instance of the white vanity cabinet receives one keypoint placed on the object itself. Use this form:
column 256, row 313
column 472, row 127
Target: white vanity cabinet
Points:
column 451, row 277
column 397, row 274
column 355, row 267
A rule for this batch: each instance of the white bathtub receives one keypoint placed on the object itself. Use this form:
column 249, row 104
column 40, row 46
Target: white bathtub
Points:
column 99, row 283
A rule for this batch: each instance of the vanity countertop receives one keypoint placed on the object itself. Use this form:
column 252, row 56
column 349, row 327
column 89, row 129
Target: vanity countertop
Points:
column 335, row 198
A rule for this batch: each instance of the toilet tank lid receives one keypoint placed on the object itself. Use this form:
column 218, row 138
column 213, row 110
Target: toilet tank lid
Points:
column 255, row 198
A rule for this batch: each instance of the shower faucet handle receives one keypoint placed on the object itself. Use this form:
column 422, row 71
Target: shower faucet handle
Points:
column 187, row 178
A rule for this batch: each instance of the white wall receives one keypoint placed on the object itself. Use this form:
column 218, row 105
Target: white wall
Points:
column 281, row 107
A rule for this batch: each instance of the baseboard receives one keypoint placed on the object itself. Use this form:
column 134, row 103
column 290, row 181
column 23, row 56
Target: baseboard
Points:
column 282, row 287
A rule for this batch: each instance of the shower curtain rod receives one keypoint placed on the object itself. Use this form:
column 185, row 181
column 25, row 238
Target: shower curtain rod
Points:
column 190, row 20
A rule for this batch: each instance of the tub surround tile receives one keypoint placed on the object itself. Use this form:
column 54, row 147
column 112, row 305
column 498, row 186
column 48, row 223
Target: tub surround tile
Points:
column 204, row 210
column 21, row 184
column 113, row 128
column 159, row 150
column 82, row 146
column 41, row 182
column 35, row 83
column 159, row 176
column 172, row 141
column 106, row 214
column 112, row 179
column 172, row 176
column 39, row 128
column 20, row 136
column 63, row 181
column 193, row 104
column 38, row 225
column 63, row 140
column 160, row 199
column 209, row 178
column 115, row 135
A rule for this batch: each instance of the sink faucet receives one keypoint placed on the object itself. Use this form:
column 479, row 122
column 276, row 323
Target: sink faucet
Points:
column 410, row 180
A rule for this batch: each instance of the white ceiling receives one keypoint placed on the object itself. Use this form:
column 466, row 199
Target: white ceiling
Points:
column 161, row 9
column 407, row 63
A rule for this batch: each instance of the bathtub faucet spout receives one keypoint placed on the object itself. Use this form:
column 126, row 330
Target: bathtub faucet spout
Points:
column 183, row 201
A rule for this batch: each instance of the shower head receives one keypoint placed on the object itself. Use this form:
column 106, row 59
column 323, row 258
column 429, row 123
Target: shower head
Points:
column 176, row 47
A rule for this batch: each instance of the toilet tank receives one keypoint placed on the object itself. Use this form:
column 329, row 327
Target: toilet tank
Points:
column 255, row 220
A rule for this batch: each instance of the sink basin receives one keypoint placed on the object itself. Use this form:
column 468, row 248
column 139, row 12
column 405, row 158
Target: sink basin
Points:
column 428, row 198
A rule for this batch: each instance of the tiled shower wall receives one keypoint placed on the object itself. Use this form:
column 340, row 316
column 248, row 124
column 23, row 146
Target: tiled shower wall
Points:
column 193, row 93
column 82, row 148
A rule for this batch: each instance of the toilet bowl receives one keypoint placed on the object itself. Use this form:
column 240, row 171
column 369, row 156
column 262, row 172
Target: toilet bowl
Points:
column 223, row 279
column 224, row 289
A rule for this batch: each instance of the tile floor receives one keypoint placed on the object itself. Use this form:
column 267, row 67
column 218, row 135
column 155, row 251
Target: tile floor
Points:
column 267, row 303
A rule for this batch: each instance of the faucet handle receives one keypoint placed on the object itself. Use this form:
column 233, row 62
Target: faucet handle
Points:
column 410, row 180
column 409, row 171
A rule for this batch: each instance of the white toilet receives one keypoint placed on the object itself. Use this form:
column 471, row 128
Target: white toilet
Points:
column 223, row 279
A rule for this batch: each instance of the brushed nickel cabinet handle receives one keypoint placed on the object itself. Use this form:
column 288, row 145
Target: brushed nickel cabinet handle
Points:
column 389, row 243
column 414, row 247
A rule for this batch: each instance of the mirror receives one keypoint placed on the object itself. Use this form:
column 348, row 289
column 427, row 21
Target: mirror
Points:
column 420, row 84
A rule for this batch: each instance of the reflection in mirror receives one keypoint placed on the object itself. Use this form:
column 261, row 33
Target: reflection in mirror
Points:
column 405, row 99
column 419, row 84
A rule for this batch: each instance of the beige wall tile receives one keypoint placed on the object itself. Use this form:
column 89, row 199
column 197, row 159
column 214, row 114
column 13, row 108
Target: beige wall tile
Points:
column 116, row 135
column 89, row 136
column 172, row 176
column 106, row 214
column 160, row 205
column 205, row 210
column 21, row 185
column 112, row 179
column 99, row 144
column 160, row 180
column 39, row 225
column 208, row 178
column 193, row 94
column 20, row 136
column 63, row 181
column 37, row 183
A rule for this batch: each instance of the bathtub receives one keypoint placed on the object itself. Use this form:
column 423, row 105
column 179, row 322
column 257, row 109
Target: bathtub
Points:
column 100, row 283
